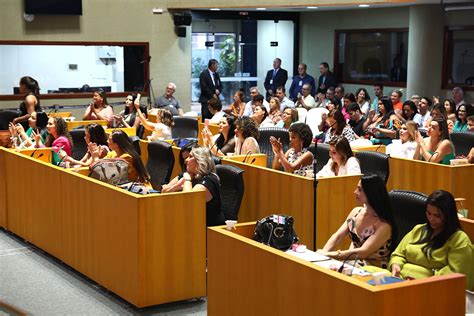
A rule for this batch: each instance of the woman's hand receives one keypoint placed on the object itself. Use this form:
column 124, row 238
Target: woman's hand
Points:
column 137, row 102
column 396, row 270
column 186, row 176
column 418, row 138
column 19, row 129
column 118, row 118
column 276, row 145
column 94, row 150
column 12, row 129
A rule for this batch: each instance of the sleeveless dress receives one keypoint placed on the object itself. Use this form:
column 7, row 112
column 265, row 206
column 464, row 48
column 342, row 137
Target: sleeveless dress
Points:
column 305, row 171
column 381, row 257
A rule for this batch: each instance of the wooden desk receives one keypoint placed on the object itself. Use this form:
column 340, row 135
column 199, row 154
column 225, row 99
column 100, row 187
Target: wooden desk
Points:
column 377, row 148
column 254, row 159
column 426, row 177
column 249, row 278
column 43, row 154
column 148, row 249
column 60, row 114
column 269, row 191
column 130, row 131
column 73, row 124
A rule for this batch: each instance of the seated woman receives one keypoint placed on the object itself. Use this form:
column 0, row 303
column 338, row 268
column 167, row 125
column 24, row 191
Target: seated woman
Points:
column 370, row 227
column 122, row 147
column 338, row 127
column 438, row 247
column 463, row 111
column 274, row 114
column 37, row 128
column 405, row 146
column 99, row 109
column 436, row 147
column 224, row 142
column 201, row 176
column 385, row 124
column 128, row 117
column 237, row 107
column 94, row 136
column 164, row 121
column 214, row 106
column 438, row 111
column 289, row 116
column 260, row 116
column 410, row 113
column 246, row 135
column 342, row 161
column 450, row 108
column 58, row 138
column 297, row 159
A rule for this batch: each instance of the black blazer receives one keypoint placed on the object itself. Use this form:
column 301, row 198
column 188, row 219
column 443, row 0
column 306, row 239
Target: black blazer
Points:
column 208, row 89
column 279, row 81
column 331, row 81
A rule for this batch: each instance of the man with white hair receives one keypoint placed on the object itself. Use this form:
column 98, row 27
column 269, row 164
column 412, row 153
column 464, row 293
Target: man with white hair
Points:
column 248, row 110
column 458, row 97
column 169, row 102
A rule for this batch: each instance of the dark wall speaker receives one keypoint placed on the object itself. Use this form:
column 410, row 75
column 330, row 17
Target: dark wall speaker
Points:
column 180, row 31
column 182, row 19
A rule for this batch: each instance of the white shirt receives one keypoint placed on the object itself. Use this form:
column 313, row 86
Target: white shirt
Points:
column 286, row 103
column 161, row 132
column 425, row 118
column 399, row 150
column 248, row 108
column 351, row 167
column 216, row 118
column 267, row 122
column 308, row 101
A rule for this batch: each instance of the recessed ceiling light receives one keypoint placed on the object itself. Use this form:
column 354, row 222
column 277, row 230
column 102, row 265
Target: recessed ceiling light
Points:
column 261, row 9
column 215, row 9
column 311, row 7
column 364, row 5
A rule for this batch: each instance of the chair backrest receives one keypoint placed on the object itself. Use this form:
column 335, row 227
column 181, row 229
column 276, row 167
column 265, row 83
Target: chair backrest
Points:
column 6, row 116
column 79, row 143
column 463, row 142
column 160, row 163
column 313, row 118
column 374, row 162
column 136, row 144
column 322, row 156
column 185, row 127
column 232, row 190
column 409, row 209
column 302, row 112
column 264, row 141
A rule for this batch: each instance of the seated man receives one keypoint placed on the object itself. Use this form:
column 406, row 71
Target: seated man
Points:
column 248, row 110
column 169, row 102
column 357, row 120
column 305, row 99
column 284, row 101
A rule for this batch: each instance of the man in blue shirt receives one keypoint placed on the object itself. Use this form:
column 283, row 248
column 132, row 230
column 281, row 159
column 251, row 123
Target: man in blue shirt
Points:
column 299, row 80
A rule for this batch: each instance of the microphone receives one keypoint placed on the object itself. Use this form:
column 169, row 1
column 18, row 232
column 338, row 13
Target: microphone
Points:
column 34, row 152
column 253, row 160
column 61, row 160
column 341, row 268
column 247, row 156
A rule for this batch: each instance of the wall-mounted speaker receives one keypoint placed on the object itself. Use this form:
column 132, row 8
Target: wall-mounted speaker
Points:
column 182, row 19
column 180, row 31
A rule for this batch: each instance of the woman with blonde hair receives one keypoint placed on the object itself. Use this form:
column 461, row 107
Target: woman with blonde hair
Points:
column 274, row 114
column 164, row 121
column 405, row 146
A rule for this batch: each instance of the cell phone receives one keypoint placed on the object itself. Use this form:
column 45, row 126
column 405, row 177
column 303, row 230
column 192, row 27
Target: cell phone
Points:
column 206, row 122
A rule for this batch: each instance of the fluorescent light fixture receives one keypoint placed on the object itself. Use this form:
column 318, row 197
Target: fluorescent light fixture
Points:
column 214, row 9
column 459, row 8
column 311, row 7
column 261, row 9
column 364, row 5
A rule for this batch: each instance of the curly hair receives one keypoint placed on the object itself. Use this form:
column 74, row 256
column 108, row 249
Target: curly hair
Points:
column 248, row 127
column 165, row 117
column 304, row 133
column 61, row 130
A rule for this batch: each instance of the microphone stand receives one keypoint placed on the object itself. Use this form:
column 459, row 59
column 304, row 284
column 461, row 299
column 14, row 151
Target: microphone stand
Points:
column 315, row 187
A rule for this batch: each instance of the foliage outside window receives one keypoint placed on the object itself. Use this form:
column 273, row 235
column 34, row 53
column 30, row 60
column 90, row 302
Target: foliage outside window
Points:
column 458, row 62
column 370, row 56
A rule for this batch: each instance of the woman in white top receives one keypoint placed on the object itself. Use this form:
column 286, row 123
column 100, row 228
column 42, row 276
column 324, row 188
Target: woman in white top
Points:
column 246, row 135
column 164, row 121
column 260, row 116
column 342, row 161
column 214, row 106
column 405, row 146
column 298, row 159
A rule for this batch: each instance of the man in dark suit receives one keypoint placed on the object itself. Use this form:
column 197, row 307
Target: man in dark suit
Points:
column 275, row 78
column 327, row 78
column 211, row 86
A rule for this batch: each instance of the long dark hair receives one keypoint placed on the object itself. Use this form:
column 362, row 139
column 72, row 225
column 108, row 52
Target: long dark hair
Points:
column 31, row 84
column 343, row 148
column 103, row 95
column 377, row 197
column 387, row 103
column 61, row 130
column 412, row 106
column 444, row 202
column 97, row 134
column 122, row 140
column 220, row 141
column 340, row 121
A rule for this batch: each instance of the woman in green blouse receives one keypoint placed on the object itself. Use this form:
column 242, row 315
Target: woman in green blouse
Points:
column 436, row 248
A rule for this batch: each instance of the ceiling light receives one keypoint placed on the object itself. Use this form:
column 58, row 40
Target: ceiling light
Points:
column 215, row 9
column 459, row 8
column 364, row 5
column 261, row 9
column 311, row 7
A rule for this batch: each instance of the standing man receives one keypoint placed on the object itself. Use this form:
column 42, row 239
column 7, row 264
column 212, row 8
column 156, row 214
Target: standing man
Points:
column 327, row 78
column 211, row 86
column 275, row 78
column 299, row 80
column 169, row 102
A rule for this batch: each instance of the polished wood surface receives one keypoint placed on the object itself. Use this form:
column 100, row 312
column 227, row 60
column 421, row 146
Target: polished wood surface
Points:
column 148, row 249
column 426, row 177
column 248, row 278
column 377, row 148
column 269, row 191
column 468, row 227
column 74, row 124
column 254, row 159
column 43, row 154
column 130, row 131
column 3, row 188
column 60, row 114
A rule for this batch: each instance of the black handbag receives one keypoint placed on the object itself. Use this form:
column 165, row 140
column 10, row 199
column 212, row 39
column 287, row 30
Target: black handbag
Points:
column 276, row 231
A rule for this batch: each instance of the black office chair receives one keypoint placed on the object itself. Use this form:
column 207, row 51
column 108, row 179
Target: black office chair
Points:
column 322, row 156
column 79, row 148
column 463, row 142
column 232, row 190
column 374, row 162
column 136, row 143
column 264, row 141
column 6, row 116
column 160, row 163
column 409, row 209
column 185, row 127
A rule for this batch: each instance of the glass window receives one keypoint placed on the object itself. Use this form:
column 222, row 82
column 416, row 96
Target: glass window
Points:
column 370, row 56
column 459, row 58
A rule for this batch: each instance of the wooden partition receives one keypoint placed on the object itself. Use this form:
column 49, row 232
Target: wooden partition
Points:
column 377, row 148
column 73, row 124
column 148, row 249
column 426, row 177
column 249, row 278
column 254, row 159
column 60, row 114
column 468, row 227
column 270, row 191
column 130, row 131
column 43, row 154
